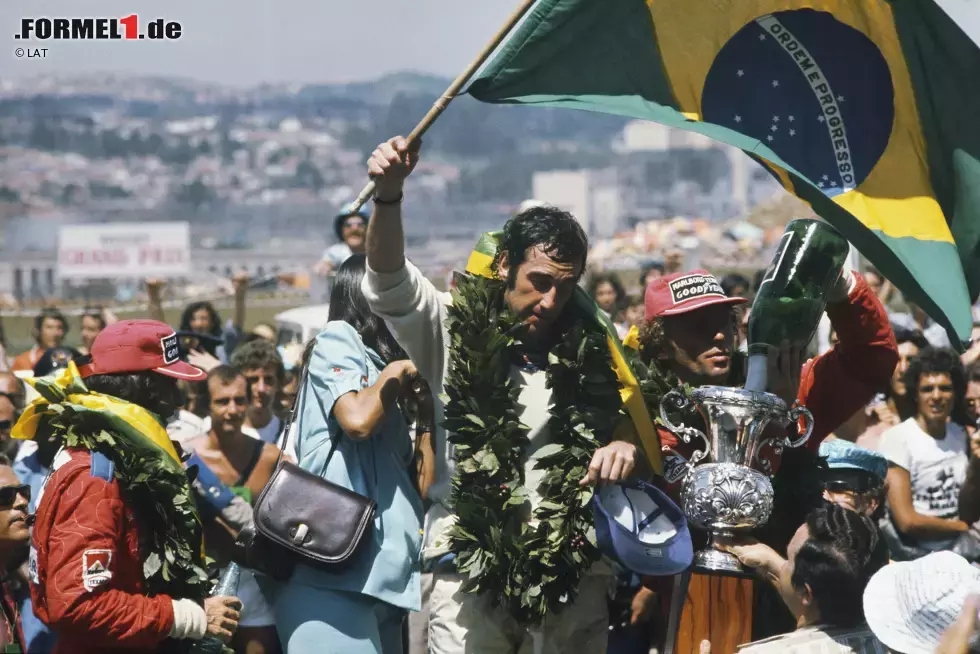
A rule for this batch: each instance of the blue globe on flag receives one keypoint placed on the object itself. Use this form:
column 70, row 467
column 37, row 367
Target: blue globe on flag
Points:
column 814, row 90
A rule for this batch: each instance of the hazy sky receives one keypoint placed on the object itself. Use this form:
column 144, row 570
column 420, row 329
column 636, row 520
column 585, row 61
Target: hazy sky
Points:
column 244, row 42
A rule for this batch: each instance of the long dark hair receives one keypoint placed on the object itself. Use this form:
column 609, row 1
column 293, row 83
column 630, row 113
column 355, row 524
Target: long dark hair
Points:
column 348, row 303
column 185, row 323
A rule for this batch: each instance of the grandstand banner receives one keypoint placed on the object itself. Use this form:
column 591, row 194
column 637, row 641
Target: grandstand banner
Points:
column 124, row 250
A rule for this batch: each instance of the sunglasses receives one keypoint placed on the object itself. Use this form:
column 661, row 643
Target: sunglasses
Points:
column 8, row 494
column 859, row 486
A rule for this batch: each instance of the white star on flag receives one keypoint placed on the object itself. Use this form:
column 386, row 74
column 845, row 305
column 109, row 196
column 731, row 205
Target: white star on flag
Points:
column 792, row 132
column 740, row 72
column 774, row 128
column 762, row 37
column 825, row 178
column 821, row 118
column 840, row 98
column 791, row 118
column 833, row 183
column 769, row 138
column 820, row 184
column 775, row 119
column 775, row 83
column 738, row 119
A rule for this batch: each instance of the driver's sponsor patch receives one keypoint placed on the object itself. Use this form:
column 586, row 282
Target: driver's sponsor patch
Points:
column 694, row 286
column 96, row 568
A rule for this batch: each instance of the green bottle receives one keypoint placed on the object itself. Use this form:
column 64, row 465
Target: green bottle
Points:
column 793, row 293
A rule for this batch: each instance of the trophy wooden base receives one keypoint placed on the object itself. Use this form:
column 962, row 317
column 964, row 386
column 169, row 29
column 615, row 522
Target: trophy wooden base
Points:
column 717, row 608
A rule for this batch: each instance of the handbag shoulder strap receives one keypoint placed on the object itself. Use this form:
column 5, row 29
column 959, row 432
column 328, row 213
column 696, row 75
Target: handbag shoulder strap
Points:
column 294, row 413
column 294, row 417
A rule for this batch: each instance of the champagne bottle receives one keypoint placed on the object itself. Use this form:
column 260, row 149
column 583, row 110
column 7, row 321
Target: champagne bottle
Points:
column 793, row 293
column 228, row 587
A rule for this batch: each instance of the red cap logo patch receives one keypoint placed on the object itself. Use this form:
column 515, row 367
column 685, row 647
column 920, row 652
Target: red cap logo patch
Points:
column 689, row 287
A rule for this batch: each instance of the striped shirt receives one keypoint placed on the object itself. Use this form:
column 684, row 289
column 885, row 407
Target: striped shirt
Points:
column 819, row 639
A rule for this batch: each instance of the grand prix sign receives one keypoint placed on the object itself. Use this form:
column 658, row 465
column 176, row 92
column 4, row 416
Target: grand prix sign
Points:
column 124, row 250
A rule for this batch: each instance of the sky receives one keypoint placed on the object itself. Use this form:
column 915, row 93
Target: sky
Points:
column 247, row 42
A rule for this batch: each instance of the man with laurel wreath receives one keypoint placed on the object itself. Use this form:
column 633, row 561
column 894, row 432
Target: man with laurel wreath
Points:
column 529, row 400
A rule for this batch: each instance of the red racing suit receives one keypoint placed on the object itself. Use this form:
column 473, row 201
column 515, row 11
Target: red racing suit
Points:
column 839, row 382
column 86, row 574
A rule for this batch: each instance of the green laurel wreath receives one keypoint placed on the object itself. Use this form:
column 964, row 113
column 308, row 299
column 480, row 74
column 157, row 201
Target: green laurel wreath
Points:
column 154, row 486
column 531, row 571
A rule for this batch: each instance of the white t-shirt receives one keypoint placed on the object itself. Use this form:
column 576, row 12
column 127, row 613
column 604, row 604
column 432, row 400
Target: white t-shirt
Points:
column 937, row 468
column 267, row 434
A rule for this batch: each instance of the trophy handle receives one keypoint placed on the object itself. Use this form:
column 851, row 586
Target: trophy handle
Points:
column 795, row 413
column 677, row 400
column 799, row 411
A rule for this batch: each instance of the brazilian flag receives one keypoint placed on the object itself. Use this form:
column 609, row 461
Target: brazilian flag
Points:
column 869, row 110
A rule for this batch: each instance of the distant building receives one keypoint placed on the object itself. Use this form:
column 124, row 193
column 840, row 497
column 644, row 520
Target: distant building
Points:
column 647, row 136
column 594, row 197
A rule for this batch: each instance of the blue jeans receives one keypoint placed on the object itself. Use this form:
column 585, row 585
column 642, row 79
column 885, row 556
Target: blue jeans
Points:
column 319, row 621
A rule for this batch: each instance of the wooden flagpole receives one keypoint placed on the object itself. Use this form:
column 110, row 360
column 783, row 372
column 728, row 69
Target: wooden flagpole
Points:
column 453, row 90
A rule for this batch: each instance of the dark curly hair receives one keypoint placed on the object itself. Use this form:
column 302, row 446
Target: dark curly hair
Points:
column 555, row 231
column 154, row 392
column 933, row 360
column 258, row 354
column 654, row 347
column 837, row 561
column 653, row 341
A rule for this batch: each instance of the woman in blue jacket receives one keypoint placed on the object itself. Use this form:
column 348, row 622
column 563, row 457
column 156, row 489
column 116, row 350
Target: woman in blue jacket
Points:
column 358, row 381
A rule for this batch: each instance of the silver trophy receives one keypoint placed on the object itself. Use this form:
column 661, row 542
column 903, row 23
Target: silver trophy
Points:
column 728, row 493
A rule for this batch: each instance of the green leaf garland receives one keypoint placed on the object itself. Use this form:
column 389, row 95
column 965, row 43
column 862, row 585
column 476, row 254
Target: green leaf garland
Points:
column 153, row 485
column 530, row 570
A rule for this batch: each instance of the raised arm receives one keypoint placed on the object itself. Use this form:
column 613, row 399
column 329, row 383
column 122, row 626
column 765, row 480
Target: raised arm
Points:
column 390, row 164
column 396, row 290
column 240, row 283
column 154, row 289
column 841, row 381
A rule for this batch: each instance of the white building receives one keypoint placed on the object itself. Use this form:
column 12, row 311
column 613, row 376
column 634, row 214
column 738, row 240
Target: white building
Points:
column 647, row 136
column 592, row 196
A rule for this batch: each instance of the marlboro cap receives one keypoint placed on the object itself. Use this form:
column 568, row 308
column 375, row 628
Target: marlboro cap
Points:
column 679, row 293
column 138, row 346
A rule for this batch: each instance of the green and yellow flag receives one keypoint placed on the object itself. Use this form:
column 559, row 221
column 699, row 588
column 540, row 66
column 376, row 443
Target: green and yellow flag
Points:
column 869, row 110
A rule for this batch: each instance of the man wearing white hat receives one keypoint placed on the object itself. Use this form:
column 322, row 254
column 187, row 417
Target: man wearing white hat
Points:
column 909, row 605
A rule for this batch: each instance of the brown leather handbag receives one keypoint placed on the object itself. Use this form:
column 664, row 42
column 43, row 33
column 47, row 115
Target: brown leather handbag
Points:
column 301, row 517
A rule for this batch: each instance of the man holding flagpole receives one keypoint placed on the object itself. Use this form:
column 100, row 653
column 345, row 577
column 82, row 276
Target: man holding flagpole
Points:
column 524, row 440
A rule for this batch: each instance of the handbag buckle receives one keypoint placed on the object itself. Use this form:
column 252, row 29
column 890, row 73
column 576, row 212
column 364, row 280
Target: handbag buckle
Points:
column 298, row 533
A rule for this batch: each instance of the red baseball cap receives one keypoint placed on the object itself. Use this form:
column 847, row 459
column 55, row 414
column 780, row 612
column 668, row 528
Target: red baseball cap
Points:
column 138, row 346
column 679, row 293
